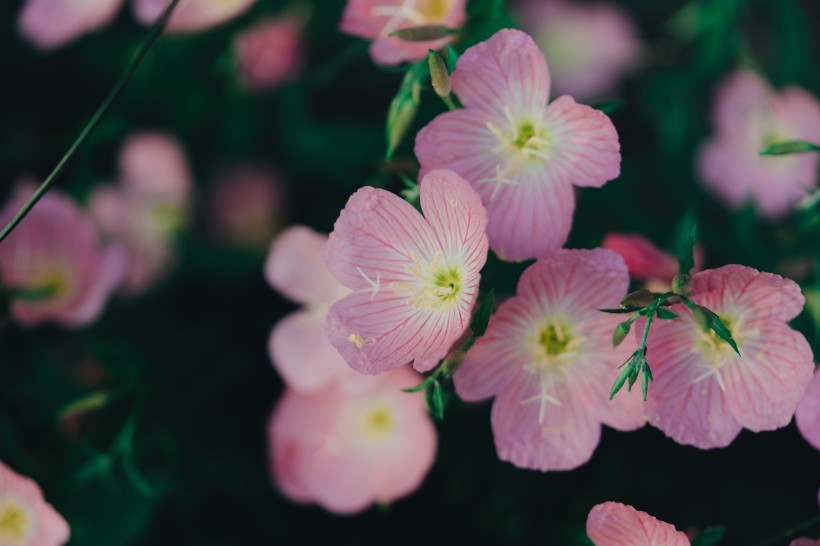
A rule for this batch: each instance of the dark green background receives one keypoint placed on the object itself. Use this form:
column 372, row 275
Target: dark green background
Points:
column 192, row 352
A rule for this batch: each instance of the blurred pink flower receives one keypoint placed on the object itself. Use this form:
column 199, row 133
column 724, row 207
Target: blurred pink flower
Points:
column 26, row 519
column 804, row 542
column 616, row 524
column 54, row 264
column 749, row 116
column 548, row 359
column 807, row 416
column 704, row 393
column 191, row 15
column 148, row 207
column 247, row 206
column 298, row 346
column 647, row 262
column 520, row 154
column 357, row 442
column 269, row 53
column 50, row 24
column 376, row 19
column 414, row 279
column 589, row 47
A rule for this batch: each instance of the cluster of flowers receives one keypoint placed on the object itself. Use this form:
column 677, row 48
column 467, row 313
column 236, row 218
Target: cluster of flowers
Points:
column 500, row 173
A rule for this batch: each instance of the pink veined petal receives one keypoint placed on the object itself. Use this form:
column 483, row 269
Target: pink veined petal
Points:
column 807, row 416
column 764, row 385
column 498, row 353
column 584, row 147
column 302, row 355
column 759, row 294
column 377, row 231
column 506, row 70
column 529, row 219
column 644, row 260
column 457, row 217
column 616, row 524
column 50, row 24
column 567, row 435
column 296, row 267
column 685, row 405
column 578, row 281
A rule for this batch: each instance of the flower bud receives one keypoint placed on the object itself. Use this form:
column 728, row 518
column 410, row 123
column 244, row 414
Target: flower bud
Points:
column 638, row 298
column 620, row 333
column 424, row 33
column 682, row 284
column 439, row 75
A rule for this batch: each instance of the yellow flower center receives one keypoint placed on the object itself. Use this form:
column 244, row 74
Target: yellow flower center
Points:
column 379, row 421
column 435, row 11
column 436, row 286
column 553, row 340
column 15, row 522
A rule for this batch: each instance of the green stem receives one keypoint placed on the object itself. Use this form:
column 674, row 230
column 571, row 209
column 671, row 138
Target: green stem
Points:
column 448, row 100
column 154, row 32
column 791, row 532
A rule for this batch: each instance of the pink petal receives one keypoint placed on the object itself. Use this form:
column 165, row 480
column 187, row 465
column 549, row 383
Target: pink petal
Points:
column 682, row 403
column 302, row 355
column 191, row 16
column 765, row 384
column 804, row 542
column 616, row 524
column 154, row 165
column 750, row 292
column 644, row 260
column 566, row 437
column 269, row 53
column 739, row 99
column 296, row 267
column 50, row 24
column 506, row 70
column 807, row 416
column 585, row 149
column 50, row 528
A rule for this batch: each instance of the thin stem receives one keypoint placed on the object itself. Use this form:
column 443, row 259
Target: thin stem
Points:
column 153, row 33
column 791, row 532
column 448, row 100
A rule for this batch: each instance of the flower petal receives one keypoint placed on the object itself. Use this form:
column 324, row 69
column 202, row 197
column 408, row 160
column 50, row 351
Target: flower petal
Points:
column 506, row 70
column 808, row 413
column 616, row 524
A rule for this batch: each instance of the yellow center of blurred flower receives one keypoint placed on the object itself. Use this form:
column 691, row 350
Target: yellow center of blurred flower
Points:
column 50, row 285
column 435, row 10
column 378, row 421
column 15, row 522
column 413, row 13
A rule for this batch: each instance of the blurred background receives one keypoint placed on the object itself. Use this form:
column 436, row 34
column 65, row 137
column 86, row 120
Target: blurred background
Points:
column 168, row 442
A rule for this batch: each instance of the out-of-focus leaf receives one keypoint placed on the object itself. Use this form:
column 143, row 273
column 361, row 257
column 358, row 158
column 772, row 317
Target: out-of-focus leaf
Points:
column 404, row 106
column 609, row 106
column 790, row 147
column 686, row 256
column 711, row 536
column 424, row 33
column 481, row 318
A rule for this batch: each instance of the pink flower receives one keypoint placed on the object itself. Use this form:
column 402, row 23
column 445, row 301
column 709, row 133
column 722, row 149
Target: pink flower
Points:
column 589, row 46
column 749, row 116
column 50, row 24
column 54, row 263
column 807, row 416
column 376, row 19
column 804, row 542
column 357, row 442
column 247, row 206
column 547, row 357
column 616, row 524
column 647, row 262
column 25, row 517
column 704, row 393
column 149, row 206
column 414, row 279
column 191, row 15
column 269, row 53
column 298, row 347
column 521, row 155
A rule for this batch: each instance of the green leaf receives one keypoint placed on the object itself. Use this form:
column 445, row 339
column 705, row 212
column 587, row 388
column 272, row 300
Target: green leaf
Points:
column 686, row 256
column 620, row 380
column 646, row 377
column 709, row 320
column 621, row 311
column 421, row 386
column 423, row 33
column 88, row 403
column 609, row 106
column 711, row 536
column 481, row 318
column 723, row 332
column 666, row 314
column 790, row 147
column 404, row 106
column 450, row 57
column 435, row 400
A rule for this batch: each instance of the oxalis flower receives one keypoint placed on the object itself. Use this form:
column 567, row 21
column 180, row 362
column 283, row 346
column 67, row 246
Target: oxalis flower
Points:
column 548, row 359
column 616, row 524
column 25, row 517
column 377, row 19
column 705, row 393
column 358, row 441
column 414, row 279
column 749, row 116
column 520, row 154
column 807, row 416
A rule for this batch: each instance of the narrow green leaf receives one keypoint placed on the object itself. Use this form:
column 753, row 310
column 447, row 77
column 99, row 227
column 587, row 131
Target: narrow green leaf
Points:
column 791, row 147
column 481, row 318
column 436, row 400
column 620, row 380
column 686, row 256
column 723, row 332
column 666, row 314
column 404, row 106
column 621, row 311
column 711, row 536
column 421, row 386
column 423, row 33
column 450, row 57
